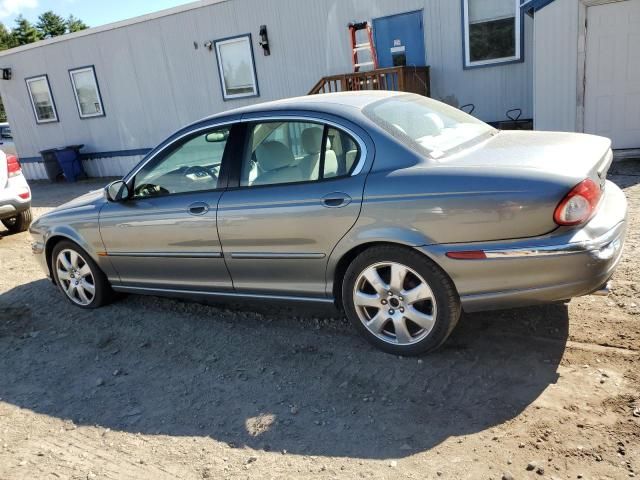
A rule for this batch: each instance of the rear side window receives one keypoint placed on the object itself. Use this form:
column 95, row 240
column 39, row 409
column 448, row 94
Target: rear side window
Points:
column 429, row 125
column 282, row 152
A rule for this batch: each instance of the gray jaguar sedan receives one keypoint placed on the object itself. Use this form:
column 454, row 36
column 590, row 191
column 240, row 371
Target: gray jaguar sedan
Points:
column 401, row 210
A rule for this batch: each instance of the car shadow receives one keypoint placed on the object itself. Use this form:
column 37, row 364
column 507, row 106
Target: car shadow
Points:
column 268, row 377
column 625, row 173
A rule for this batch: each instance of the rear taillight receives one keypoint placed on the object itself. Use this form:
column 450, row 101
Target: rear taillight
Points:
column 579, row 205
column 13, row 166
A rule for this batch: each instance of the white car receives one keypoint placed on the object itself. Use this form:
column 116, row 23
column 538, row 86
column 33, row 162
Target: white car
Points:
column 15, row 195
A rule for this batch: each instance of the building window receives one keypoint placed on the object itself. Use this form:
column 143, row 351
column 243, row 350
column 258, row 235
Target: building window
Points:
column 87, row 92
column 41, row 99
column 491, row 32
column 236, row 67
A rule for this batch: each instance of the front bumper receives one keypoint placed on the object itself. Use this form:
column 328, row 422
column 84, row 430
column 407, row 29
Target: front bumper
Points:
column 564, row 264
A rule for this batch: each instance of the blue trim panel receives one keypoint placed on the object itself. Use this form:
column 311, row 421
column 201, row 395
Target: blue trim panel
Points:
column 96, row 155
column 535, row 5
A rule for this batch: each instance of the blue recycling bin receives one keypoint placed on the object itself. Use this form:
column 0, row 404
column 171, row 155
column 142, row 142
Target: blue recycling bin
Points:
column 69, row 160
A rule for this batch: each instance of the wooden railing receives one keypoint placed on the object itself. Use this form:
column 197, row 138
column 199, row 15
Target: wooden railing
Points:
column 401, row 79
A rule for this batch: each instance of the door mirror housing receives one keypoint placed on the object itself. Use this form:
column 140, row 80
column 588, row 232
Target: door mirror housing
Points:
column 117, row 191
column 217, row 137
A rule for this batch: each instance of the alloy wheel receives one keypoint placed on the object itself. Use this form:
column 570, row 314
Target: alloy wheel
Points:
column 75, row 277
column 395, row 303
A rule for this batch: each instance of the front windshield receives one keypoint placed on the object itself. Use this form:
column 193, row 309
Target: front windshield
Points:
column 428, row 124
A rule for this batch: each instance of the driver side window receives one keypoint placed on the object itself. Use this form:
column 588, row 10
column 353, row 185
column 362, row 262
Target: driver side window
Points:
column 191, row 166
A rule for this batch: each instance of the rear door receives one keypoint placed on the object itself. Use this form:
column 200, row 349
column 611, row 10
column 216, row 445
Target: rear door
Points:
column 290, row 203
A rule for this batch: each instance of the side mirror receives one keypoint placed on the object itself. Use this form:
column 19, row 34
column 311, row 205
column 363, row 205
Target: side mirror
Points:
column 116, row 191
column 217, row 137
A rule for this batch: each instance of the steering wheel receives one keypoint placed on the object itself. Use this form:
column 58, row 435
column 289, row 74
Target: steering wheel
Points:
column 150, row 190
column 197, row 170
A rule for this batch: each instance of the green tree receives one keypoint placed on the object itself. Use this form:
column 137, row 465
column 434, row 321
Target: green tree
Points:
column 24, row 32
column 6, row 39
column 75, row 24
column 51, row 25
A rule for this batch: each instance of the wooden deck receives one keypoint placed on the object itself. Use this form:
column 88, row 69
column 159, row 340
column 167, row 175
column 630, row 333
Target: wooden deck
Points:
column 401, row 79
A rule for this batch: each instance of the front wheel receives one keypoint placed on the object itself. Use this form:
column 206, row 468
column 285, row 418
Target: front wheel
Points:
column 400, row 300
column 79, row 277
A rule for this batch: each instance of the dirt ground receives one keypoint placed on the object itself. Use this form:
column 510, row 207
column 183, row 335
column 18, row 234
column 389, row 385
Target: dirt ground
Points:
column 158, row 388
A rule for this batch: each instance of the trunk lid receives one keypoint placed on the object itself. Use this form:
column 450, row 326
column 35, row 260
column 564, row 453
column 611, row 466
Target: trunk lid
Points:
column 574, row 156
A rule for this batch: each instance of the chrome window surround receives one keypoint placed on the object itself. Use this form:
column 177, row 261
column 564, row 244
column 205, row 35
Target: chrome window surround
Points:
column 254, row 118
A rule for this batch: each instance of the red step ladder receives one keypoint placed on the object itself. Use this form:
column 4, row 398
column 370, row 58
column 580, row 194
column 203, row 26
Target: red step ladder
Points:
column 358, row 47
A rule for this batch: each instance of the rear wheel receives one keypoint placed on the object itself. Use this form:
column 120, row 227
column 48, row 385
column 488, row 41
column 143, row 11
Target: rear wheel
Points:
column 400, row 300
column 19, row 223
column 79, row 277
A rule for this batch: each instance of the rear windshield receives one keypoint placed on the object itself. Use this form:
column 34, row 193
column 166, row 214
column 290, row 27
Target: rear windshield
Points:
column 427, row 125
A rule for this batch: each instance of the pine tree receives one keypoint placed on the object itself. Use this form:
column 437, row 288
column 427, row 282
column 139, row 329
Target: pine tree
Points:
column 24, row 32
column 51, row 25
column 6, row 40
column 75, row 24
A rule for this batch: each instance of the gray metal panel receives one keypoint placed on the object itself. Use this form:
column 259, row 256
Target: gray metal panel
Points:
column 556, row 66
column 153, row 80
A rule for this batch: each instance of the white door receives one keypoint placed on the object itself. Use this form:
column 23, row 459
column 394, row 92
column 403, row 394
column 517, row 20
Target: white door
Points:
column 612, row 90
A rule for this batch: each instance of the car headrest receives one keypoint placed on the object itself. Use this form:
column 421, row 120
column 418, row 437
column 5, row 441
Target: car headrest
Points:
column 273, row 155
column 312, row 139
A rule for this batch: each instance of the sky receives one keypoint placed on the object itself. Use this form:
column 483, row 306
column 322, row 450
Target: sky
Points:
column 92, row 12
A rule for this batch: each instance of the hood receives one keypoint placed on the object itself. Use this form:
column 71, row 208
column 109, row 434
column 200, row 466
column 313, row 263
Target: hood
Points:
column 90, row 198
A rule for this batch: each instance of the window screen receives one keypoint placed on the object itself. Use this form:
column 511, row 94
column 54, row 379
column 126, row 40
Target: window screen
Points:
column 85, row 89
column 236, row 67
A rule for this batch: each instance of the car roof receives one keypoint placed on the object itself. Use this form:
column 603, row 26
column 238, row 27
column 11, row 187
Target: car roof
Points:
column 320, row 102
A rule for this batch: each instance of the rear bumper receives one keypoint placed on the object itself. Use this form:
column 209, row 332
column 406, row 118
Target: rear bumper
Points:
column 11, row 207
column 564, row 264
column 11, row 203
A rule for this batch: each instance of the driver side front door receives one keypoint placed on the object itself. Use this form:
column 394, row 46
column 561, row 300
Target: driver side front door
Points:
column 165, row 235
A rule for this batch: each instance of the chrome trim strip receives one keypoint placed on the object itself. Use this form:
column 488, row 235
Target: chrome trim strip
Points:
column 291, row 298
column 597, row 244
column 284, row 256
column 165, row 254
column 252, row 118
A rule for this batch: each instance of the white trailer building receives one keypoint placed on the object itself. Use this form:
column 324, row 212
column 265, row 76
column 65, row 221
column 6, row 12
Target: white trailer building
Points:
column 120, row 89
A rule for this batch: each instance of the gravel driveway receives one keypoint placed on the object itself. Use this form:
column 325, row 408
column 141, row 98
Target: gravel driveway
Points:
column 159, row 388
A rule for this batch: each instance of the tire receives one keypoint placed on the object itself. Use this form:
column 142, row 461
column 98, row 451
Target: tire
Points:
column 19, row 223
column 387, row 314
column 79, row 278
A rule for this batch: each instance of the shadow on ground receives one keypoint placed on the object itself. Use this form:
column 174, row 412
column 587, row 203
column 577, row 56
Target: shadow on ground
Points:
column 268, row 377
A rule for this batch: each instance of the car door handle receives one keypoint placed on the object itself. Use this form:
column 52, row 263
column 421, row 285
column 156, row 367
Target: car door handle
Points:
column 336, row 200
column 198, row 208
